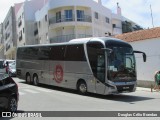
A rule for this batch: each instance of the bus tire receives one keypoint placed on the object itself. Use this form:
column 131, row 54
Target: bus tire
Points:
column 82, row 87
column 28, row 78
column 35, row 80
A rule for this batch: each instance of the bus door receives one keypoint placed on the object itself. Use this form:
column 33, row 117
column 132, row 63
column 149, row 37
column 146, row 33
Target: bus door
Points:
column 97, row 62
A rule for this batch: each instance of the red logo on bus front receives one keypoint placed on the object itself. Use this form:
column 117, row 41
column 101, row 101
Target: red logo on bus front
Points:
column 58, row 74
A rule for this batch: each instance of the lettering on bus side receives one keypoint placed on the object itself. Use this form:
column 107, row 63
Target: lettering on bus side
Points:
column 58, row 73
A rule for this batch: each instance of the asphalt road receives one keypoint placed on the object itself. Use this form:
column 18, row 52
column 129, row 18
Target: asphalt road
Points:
column 49, row 98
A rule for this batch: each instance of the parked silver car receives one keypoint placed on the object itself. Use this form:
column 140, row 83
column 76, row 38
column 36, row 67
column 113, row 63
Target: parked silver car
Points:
column 12, row 69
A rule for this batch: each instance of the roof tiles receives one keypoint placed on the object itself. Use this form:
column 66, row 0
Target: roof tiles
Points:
column 140, row 35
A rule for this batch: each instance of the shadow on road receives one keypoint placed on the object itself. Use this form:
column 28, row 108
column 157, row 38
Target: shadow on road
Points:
column 122, row 97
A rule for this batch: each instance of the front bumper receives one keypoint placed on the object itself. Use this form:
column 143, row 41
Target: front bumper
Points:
column 120, row 87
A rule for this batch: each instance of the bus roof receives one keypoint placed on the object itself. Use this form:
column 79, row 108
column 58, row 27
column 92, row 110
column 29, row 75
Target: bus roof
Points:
column 79, row 41
column 85, row 40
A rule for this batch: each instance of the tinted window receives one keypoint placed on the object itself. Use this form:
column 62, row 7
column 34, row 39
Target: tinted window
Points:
column 57, row 52
column 97, row 59
column 44, row 53
column 75, row 53
column 1, row 84
column 20, row 52
column 28, row 53
column 1, row 64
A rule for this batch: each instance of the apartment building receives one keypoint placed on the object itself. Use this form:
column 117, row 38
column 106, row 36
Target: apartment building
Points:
column 51, row 21
column 60, row 21
column 10, row 34
column 26, row 25
column 1, row 42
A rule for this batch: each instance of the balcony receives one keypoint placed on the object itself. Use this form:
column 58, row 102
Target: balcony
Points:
column 20, row 38
column 66, row 38
column 63, row 18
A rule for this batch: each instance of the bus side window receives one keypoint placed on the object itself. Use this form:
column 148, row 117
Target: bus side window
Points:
column 1, row 84
column 57, row 52
column 75, row 53
column 44, row 53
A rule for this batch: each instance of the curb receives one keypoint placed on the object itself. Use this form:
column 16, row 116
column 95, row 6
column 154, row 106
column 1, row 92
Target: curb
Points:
column 143, row 89
column 146, row 89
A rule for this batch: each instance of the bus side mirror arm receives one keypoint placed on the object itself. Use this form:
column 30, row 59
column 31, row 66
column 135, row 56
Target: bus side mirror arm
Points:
column 144, row 55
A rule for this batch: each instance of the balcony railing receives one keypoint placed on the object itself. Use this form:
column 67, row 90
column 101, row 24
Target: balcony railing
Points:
column 66, row 38
column 63, row 18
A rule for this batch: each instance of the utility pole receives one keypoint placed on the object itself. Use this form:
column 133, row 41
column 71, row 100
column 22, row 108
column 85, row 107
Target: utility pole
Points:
column 151, row 15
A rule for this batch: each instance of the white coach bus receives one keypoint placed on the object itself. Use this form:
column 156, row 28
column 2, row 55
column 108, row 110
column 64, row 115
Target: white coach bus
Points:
column 97, row 65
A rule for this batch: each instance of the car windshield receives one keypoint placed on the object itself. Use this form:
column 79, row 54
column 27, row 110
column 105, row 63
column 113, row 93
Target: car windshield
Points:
column 121, row 64
column 12, row 66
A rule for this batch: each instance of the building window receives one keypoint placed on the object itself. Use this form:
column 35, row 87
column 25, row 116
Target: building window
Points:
column 107, row 20
column 80, row 15
column 6, row 24
column 39, row 24
column 23, row 15
column 20, row 35
column 46, row 18
column 96, row 15
column 19, row 22
column 7, row 46
column 58, row 16
column 7, row 35
column 114, row 25
column 68, row 15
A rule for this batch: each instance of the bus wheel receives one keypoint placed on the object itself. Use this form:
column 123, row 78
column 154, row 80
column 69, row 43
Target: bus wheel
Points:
column 35, row 80
column 82, row 87
column 28, row 79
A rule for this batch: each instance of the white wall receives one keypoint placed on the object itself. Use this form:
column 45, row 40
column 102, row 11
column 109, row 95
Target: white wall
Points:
column 28, row 9
column 151, row 47
column 19, row 29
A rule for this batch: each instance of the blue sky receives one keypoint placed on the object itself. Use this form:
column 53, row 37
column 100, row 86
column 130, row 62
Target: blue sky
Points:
column 135, row 10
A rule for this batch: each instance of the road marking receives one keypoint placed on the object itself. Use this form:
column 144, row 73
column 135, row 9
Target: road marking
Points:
column 31, row 91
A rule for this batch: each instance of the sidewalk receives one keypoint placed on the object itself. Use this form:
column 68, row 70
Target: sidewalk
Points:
column 146, row 89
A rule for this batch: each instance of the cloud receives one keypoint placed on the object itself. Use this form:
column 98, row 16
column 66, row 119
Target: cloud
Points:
column 137, row 10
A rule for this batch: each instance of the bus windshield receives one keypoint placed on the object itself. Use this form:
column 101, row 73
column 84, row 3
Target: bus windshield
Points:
column 121, row 64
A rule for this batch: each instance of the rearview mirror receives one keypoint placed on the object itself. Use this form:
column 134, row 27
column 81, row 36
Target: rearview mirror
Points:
column 144, row 55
